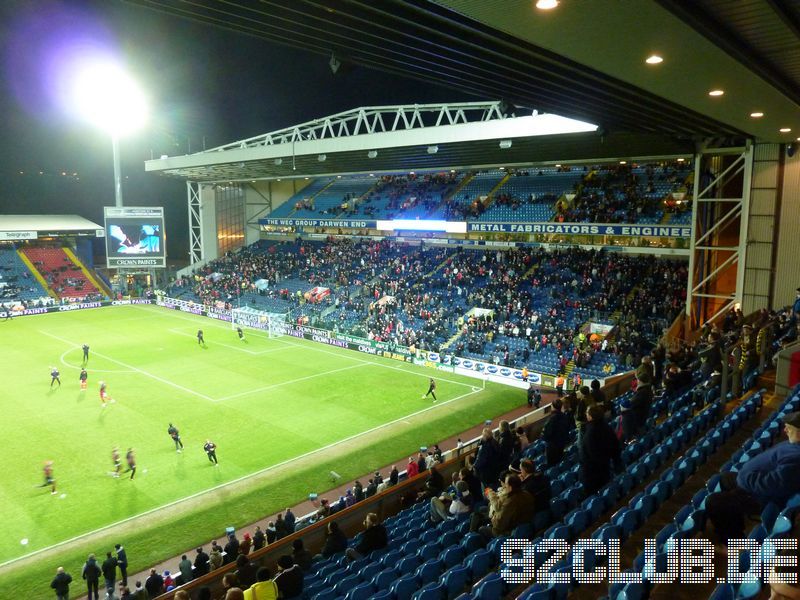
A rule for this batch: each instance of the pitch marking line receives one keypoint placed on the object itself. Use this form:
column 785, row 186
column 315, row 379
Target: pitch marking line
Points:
column 253, row 352
column 233, row 481
column 66, row 364
column 290, row 382
column 137, row 370
column 311, row 346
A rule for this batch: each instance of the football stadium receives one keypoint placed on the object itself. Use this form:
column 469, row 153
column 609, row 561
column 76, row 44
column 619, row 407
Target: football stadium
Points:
column 538, row 343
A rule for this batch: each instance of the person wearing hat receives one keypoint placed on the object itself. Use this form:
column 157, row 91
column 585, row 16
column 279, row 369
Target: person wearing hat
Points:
column 772, row 476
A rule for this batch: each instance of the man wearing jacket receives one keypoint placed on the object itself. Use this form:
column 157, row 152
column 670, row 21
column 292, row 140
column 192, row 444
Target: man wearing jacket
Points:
column 109, row 569
column 556, row 433
column 61, row 583
column 91, row 573
column 374, row 538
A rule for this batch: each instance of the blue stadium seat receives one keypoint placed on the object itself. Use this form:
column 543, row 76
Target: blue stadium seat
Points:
column 362, row 591
column 404, row 587
column 455, row 579
column 452, row 556
column 430, row 570
column 383, row 580
column 428, row 551
column 479, row 563
column 471, row 542
column 490, row 587
column 346, row 584
column 538, row 591
column 407, row 565
column 432, row 591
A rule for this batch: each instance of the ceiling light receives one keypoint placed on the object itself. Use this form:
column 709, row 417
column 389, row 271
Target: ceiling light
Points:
column 433, row 149
column 546, row 4
column 654, row 59
column 411, row 173
column 558, row 166
column 623, row 162
column 505, row 144
column 756, row 115
column 372, row 174
column 372, row 154
column 681, row 159
column 502, row 168
column 338, row 177
column 322, row 157
column 785, row 129
column 277, row 180
column 278, row 162
column 716, row 92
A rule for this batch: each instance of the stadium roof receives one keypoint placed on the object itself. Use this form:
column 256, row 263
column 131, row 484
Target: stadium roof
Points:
column 584, row 60
column 45, row 225
column 414, row 137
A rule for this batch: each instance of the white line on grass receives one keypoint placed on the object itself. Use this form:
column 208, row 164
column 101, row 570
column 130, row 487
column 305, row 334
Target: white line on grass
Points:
column 291, row 381
column 253, row 352
column 66, row 364
column 237, row 480
column 132, row 368
column 311, row 346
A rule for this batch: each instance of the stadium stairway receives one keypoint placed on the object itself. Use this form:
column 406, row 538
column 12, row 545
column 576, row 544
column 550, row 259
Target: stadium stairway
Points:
column 632, row 547
column 90, row 275
column 461, row 184
column 314, row 195
column 36, row 274
column 495, row 189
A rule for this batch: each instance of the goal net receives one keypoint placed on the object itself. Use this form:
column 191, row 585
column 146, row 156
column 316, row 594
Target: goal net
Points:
column 253, row 318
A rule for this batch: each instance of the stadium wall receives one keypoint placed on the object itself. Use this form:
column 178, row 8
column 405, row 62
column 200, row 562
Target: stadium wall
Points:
column 262, row 197
column 787, row 272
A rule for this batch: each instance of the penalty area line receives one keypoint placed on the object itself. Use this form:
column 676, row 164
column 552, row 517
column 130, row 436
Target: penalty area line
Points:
column 233, row 481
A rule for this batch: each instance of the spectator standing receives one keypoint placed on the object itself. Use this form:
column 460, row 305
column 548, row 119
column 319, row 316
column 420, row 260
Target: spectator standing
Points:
column 109, row 569
column 536, row 484
column 597, row 449
column 412, row 470
column 61, row 583
column 489, row 461
column 231, row 549
column 290, row 521
column 154, row 584
column 556, row 433
column 259, row 539
column 91, row 574
column 185, row 567
column 201, row 563
column 122, row 563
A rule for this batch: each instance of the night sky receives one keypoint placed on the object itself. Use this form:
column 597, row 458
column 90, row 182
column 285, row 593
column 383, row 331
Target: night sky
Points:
column 205, row 84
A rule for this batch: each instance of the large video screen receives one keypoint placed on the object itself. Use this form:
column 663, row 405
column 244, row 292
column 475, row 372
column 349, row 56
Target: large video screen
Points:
column 135, row 237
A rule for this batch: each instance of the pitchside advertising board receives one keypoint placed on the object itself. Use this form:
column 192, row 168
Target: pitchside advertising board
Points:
column 135, row 237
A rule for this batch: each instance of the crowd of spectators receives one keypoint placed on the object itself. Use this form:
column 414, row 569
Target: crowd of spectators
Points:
column 620, row 194
column 505, row 306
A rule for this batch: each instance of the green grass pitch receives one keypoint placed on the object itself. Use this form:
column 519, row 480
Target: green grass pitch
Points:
column 283, row 413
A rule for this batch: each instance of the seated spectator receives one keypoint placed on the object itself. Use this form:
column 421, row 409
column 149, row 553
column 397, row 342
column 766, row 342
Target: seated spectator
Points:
column 772, row 476
column 452, row 505
column 264, row 588
column 511, row 506
column 245, row 571
column 154, row 584
column 374, row 538
column 215, row 556
column 289, row 578
column 301, row 556
column 335, row 540
column 234, row 593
